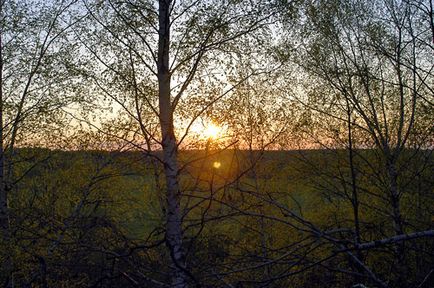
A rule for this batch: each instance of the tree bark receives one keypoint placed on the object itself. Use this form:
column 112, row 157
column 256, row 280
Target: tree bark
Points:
column 395, row 198
column 169, row 145
column 401, row 265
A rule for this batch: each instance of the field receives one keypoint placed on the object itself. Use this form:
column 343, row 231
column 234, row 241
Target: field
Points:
column 88, row 218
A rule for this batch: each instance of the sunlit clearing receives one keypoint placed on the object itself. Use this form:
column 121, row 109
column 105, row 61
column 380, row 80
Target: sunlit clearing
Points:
column 216, row 165
column 211, row 131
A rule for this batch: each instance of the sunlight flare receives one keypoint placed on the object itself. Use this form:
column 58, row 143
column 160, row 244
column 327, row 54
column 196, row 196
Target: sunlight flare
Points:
column 211, row 131
column 207, row 130
column 216, row 164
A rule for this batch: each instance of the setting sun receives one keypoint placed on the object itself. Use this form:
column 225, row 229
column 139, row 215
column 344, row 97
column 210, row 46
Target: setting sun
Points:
column 211, row 131
column 207, row 130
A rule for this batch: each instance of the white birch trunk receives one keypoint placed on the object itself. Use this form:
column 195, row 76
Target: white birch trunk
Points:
column 173, row 213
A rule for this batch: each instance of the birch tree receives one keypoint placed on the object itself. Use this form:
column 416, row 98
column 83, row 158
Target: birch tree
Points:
column 182, row 52
column 36, row 79
column 374, row 64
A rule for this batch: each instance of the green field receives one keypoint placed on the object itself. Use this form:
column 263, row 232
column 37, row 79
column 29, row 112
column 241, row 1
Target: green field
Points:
column 84, row 215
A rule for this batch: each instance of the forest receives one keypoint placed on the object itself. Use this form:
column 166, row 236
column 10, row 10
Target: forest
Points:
column 217, row 143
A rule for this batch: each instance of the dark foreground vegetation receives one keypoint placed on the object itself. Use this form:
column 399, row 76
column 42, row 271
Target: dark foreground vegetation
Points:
column 96, row 219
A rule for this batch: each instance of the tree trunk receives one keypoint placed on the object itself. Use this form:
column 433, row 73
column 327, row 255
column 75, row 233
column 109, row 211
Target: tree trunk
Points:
column 397, row 222
column 394, row 197
column 355, row 196
column 173, row 213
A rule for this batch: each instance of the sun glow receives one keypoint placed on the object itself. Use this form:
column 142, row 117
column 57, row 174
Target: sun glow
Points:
column 207, row 131
column 211, row 131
